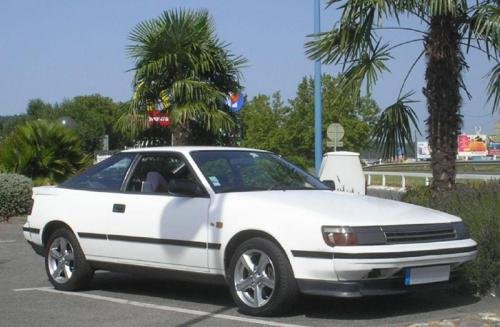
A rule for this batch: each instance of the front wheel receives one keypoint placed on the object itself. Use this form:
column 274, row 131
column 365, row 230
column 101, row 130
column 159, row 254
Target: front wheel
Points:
column 65, row 262
column 261, row 279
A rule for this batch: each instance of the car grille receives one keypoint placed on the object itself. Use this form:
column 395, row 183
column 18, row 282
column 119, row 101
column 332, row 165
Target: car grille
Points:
column 418, row 233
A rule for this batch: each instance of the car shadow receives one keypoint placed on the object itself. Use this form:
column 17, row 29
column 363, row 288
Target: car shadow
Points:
column 165, row 288
column 308, row 306
column 379, row 307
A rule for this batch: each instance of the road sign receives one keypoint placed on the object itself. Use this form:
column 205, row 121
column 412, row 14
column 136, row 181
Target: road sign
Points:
column 335, row 131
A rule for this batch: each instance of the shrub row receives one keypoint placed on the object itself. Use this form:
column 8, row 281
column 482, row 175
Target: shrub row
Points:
column 479, row 207
column 15, row 195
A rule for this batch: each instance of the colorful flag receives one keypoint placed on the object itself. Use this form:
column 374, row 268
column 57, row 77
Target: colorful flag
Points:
column 235, row 101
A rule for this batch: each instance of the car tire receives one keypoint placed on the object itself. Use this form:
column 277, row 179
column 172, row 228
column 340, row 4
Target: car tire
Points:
column 251, row 290
column 65, row 263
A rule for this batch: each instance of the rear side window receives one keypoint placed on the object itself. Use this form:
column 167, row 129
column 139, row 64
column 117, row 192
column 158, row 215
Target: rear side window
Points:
column 153, row 173
column 107, row 175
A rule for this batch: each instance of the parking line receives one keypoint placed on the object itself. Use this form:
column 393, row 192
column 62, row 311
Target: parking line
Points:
column 158, row 307
column 7, row 241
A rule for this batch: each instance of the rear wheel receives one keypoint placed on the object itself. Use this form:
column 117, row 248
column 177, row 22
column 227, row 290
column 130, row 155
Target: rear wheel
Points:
column 65, row 262
column 261, row 279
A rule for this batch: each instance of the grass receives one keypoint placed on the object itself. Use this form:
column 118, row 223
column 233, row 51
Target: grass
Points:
column 395, row 181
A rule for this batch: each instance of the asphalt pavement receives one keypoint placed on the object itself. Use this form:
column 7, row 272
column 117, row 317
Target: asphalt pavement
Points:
column 27, row 299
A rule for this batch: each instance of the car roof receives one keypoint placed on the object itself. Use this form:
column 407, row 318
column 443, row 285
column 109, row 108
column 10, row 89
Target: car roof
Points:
column 187, row 149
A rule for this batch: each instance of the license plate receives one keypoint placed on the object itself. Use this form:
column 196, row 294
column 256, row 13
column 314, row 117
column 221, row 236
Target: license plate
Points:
column 426, row 275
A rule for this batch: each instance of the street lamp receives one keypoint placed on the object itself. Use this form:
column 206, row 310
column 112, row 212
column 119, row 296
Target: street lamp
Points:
column 318, row 153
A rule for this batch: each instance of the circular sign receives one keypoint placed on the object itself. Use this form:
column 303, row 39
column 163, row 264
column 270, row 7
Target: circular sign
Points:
column 67, row 122
column 335, row 132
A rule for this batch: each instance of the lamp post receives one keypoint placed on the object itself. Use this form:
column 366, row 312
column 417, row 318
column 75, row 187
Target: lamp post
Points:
column 317, row 96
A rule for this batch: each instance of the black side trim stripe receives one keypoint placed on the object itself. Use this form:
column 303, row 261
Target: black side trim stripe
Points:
column 123, row 238
column 31, row 230
column 312, row 254
column 390, row 255
column 93, row 235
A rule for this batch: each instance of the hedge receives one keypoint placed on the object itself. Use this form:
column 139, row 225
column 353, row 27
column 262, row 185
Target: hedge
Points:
column 15, row 195
column 479, row 207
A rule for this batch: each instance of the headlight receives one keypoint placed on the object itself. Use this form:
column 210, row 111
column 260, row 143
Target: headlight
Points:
column 461, row 230
column 339, row 236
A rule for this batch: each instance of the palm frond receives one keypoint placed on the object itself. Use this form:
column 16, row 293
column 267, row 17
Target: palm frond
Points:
column 178, row 54
column 393, row 131
column 42, row 149
column 483, row 27
column 494, row 87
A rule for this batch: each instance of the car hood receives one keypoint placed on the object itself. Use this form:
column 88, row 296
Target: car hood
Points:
column 330, row 207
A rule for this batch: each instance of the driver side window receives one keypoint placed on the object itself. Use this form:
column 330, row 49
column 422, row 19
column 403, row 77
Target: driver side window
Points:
column 154, row 172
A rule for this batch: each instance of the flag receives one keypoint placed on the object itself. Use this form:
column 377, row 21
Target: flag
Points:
column 235, row 101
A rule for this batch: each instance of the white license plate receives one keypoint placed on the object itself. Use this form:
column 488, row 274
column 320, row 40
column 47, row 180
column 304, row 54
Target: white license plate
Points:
column 426, row 275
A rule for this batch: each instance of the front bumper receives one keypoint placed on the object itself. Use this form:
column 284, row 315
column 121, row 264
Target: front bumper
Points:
column 352, row 289
column 382, row 262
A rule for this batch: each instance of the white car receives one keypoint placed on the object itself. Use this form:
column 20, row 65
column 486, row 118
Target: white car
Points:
column 268, row 228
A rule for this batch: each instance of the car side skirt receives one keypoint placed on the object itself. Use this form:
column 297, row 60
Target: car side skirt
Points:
column 159, row 272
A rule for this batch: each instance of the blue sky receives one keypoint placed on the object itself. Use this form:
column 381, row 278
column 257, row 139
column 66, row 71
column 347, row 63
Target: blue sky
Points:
column 55, row 49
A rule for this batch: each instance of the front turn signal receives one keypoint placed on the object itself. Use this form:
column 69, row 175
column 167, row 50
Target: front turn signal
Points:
column 339, row 236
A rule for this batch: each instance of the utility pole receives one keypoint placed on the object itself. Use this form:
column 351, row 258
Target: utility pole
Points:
column 318, row 153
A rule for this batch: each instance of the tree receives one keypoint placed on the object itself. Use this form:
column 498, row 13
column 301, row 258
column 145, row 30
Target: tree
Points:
column 288, row 130
column 261, row 123
column 182, row 67
column 39, row 109
column 452, row 27
column 95, row 116
column 45, row 151
column 356, row 115
column 8, row 123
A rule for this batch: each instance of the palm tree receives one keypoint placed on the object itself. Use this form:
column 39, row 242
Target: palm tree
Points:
column 181, row 66
column 45, row 151
column 452, row 28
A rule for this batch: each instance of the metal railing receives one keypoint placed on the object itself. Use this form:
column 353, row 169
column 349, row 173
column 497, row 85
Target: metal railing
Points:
column 427, row 176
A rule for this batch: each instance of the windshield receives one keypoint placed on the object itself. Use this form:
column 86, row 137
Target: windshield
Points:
column 241, row 171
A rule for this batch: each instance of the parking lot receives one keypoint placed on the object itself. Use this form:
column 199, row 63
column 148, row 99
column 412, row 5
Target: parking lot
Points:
column 27, row 299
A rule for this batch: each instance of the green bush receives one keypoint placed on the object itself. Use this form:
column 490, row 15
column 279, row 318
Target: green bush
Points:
column 479, row 207
column 45, row 151
column 15, row 195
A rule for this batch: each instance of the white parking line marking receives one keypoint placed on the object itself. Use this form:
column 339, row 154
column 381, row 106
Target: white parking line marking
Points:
column 159, row 307
column 7, row 241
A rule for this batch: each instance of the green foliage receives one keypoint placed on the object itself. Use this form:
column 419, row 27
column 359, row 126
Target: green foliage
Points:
column 289, row 129
column 94, row 115
column 8, row 123
column 357, row 43
column 15, row 195
column 393, row 129
column 181, row 65
column 479, row 207
column 45, row 151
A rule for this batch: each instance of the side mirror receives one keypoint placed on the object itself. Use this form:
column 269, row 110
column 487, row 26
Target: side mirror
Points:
column 184, row 187
column 330, row 184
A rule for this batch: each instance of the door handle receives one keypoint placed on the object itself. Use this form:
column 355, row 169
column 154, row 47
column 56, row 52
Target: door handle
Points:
column 120, row 208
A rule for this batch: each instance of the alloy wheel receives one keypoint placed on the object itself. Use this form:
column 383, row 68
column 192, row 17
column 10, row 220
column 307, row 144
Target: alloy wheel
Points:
column 61, row 260
column 254, row 278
